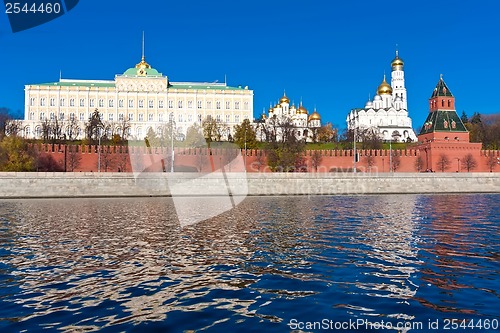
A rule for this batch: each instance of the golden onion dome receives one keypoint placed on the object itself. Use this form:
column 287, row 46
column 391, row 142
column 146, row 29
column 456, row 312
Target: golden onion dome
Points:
column 384, row 88
column 277, row 106
column 314, row 116
column 284, row 99
column 264, row 116
column 301, row 110
column 397, row 61
column 143, row 64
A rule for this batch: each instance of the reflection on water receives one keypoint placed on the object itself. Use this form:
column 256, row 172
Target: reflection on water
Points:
column 125, row 264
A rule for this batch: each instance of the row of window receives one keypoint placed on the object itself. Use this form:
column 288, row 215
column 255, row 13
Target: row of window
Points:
column 180, row 118
column 100, row 103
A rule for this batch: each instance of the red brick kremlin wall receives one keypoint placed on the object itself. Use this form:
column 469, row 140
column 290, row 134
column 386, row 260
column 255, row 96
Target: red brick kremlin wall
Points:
column 200, row 159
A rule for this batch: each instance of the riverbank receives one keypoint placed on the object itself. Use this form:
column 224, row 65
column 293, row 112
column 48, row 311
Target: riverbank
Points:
column 82, row 184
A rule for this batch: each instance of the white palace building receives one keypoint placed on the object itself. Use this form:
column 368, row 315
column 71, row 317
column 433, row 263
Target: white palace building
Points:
column 141, row 96
column 387, row 114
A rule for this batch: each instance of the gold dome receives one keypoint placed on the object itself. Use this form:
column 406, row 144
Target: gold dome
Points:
column 264, row 116
column 314, row 116
column 270, row 110
column 384, row 88
column 277, row 106
column 301, row 110
column 143, row 64
column 397, row 61
column 284, row 99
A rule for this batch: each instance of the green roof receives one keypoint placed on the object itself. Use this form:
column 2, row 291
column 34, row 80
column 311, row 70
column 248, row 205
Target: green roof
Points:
column 110, row 84
column 200, row 86
column 149, row 72
column 441, row 89
column 443, row 121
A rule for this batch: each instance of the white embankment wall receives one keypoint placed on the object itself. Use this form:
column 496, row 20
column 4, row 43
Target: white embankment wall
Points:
column 53, row 185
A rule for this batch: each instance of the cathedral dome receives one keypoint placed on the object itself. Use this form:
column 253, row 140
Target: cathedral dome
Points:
column 377, row 98
column 369, row 104
column 302, row 110
column 284, row 99
column 314, row 116
column 384, row 88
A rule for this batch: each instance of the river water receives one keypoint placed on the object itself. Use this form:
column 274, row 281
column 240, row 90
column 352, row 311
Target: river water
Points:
column 393, row 263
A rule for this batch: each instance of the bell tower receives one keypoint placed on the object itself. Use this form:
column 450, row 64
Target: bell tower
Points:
column 398, row 80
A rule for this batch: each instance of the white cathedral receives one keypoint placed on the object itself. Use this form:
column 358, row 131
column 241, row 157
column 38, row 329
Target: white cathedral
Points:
column 387, row 115
column 304, row 123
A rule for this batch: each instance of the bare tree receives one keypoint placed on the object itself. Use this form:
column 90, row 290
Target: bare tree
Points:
column 370, row 161
column 259, row 159
column 72, row 128
column 74, row 158
column 469, row 162
column 492, row 162
column 419, row 163
column 200, row 159
column 122, row 162
column 396, row 162
column 46, row 130
column 443, row 162
column 107, row 158
column 13, row 127
column 316, row 159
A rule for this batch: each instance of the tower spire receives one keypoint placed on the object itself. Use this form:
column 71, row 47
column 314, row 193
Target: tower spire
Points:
column 143, row 45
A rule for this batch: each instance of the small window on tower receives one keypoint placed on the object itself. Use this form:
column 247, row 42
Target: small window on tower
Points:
column 449, row 103
column 442, row 102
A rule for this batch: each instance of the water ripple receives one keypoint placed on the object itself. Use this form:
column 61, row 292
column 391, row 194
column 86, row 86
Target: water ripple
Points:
column 126, row 264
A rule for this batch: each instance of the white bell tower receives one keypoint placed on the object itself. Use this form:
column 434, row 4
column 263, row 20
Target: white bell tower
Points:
column 398, row 80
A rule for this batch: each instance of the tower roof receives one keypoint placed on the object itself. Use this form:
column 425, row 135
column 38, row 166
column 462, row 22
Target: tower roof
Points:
column 443, row 121
column 441, row 89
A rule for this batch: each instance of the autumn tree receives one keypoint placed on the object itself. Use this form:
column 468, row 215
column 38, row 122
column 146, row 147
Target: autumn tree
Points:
column 245, row 131
column 194, row 137
column 443, row 162
column 285, row 154
column 16, row 155
column 327, row 133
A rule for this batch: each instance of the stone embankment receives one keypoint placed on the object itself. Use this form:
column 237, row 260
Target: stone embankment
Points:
column 82, row 184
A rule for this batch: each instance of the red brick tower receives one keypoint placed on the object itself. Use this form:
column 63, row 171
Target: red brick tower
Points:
column 444, row 134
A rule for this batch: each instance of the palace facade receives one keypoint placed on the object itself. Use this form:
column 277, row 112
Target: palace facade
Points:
column 387, row 114
column 141, row 97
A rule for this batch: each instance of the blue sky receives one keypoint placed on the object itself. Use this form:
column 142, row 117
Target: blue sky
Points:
column 332, row 54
